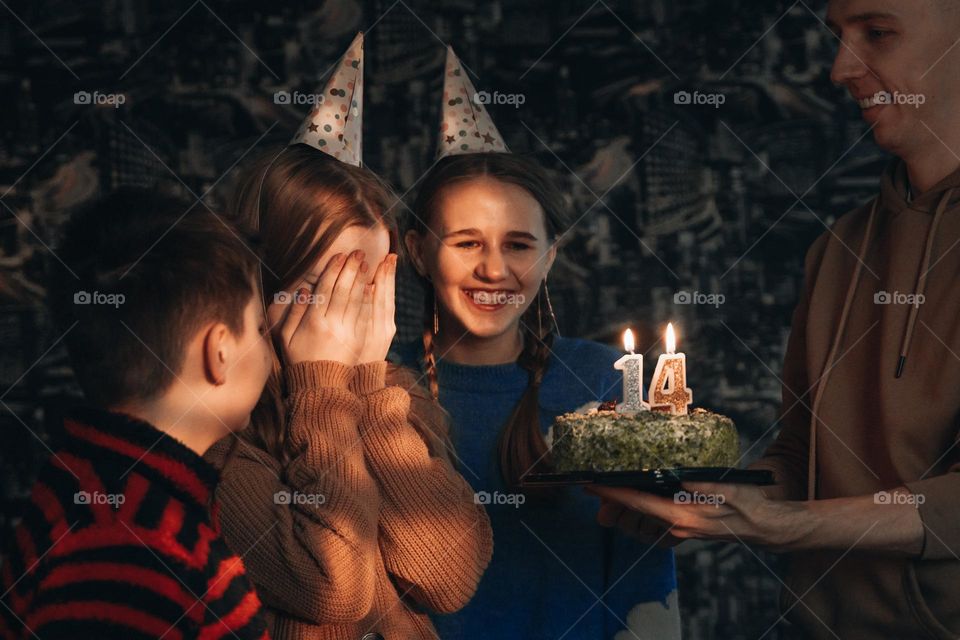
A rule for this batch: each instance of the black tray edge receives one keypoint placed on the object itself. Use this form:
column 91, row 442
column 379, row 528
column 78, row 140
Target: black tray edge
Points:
column 650, row 477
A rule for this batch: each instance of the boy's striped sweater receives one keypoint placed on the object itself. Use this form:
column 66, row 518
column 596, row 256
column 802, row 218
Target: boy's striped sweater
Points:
column 119, row 541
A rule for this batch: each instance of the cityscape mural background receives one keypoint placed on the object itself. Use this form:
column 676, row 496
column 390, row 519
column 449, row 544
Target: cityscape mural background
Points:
column 700, row 143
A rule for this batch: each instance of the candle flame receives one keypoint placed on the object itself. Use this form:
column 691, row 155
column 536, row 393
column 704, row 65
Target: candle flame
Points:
column 628, row 343
column 671, row 339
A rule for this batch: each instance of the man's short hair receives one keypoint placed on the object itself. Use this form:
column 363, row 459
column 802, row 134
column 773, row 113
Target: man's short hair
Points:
column 136, row 275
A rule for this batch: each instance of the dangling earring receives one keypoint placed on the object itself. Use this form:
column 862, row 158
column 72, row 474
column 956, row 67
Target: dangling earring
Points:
column 540, row 316
column 546, row 294
column 436, row 316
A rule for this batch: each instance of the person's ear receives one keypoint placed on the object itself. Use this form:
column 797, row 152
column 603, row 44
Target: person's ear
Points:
column 549, row 257
column 216, row 353
column 414, row 243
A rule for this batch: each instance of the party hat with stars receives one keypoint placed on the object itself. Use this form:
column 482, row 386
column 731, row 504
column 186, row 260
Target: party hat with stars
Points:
column 335, row 124
column 465, row 125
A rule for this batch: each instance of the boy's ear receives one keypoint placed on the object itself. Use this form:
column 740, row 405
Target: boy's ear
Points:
column 216, row 353
column 412, row 240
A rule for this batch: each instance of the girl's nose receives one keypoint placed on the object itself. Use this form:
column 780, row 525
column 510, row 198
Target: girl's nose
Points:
column 492, row 266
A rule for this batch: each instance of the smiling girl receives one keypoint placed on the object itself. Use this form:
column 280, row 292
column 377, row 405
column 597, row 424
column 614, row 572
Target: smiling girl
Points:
column 484, row 239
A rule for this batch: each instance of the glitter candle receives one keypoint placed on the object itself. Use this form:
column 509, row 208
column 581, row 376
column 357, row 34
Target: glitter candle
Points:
column 632, row 367
column 668, row 387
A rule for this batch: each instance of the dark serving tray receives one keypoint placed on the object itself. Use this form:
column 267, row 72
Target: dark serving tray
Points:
column 664, row 481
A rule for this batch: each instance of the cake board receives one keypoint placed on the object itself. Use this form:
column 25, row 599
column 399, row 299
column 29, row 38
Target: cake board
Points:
column 660, row 481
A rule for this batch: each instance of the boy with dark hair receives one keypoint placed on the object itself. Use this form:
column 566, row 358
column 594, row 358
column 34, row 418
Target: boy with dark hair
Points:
column 159, row 307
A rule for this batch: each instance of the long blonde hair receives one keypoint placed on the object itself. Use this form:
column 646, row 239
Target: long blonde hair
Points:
column 521, row 446
column 298, row 200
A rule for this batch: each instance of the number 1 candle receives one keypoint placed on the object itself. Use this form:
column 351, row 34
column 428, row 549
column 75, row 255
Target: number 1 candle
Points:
column 632, row 367
column 668, row 388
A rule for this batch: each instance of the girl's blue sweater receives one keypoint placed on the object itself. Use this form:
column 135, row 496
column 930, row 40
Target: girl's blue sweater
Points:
column 554, row 570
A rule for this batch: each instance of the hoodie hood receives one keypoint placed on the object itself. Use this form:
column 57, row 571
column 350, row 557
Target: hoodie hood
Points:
column 894, row 184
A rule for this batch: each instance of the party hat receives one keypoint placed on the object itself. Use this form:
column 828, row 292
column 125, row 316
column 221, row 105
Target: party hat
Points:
column 465, row 125
column 335, row 124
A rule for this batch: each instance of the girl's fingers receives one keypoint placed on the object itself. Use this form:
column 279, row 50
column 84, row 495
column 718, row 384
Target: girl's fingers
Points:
column 296, row 308
column 340, row 295
column 325, row 283
column 364, row 326
column 386, row 290
column 388, row 281
column 391, row 289
column 355, row 301
column 365, row 318
column 380, row 286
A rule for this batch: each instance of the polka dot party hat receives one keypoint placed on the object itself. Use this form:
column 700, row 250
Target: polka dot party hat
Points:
column 465, row 125
column 335, row 124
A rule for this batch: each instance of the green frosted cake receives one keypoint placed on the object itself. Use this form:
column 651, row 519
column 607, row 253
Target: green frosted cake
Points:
column 600, row 439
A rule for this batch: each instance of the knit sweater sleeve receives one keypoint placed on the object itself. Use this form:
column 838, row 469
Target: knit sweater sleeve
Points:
column 308, row 532
column 789, row 454
column 433, row 537
column 231, row 605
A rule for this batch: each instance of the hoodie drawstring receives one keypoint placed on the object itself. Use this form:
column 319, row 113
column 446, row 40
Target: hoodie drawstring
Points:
column 921, row 284
column 919, row 288
column 828, row 364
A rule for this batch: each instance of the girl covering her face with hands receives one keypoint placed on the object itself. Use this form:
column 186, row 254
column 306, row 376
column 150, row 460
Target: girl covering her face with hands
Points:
column 340, row 495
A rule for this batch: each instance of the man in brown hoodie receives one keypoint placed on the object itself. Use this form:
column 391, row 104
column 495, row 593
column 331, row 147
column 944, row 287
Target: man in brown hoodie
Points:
column 866, row 462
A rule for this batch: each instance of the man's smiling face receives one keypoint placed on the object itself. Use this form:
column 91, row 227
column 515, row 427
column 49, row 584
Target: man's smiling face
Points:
column 903, row 52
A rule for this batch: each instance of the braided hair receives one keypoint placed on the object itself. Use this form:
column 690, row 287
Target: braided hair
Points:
column 521, row 446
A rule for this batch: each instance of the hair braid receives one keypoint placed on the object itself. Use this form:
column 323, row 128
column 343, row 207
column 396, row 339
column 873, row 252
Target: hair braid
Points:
column 521, row 446
column 429, row 349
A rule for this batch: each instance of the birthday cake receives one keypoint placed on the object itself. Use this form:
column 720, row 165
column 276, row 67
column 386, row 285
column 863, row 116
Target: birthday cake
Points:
column 598, row 438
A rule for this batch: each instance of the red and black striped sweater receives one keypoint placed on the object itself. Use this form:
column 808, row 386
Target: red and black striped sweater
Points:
column 121, row 540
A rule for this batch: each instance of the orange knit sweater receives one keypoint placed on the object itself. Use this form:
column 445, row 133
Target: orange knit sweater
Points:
column 363, row 531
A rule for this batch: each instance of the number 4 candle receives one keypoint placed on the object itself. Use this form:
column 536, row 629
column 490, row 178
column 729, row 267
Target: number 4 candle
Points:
column 668, row 388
